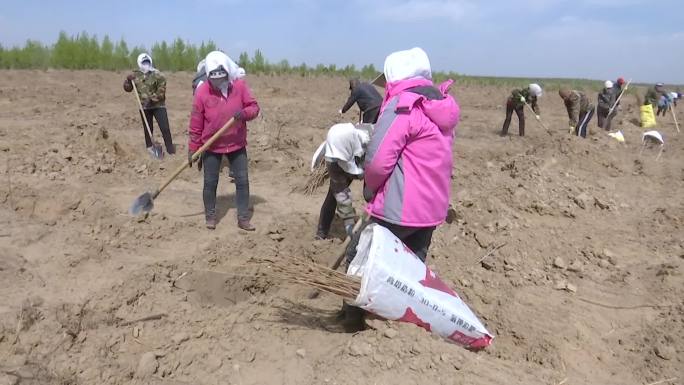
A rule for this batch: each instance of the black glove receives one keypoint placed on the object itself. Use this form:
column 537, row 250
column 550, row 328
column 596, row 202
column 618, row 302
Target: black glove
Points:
column 190, row 153
column 199, row 163
column 130, row 77
column 368, row 195
column 238, row 115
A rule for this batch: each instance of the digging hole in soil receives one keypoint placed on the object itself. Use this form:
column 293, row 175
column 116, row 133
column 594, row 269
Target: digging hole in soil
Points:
column 222, row 289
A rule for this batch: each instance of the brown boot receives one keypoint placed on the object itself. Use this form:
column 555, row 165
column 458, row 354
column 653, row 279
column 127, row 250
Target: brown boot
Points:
column 245, row 225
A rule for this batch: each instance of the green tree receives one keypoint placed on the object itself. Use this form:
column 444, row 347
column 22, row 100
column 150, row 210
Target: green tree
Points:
column 121, row 55
column 63, row 51
column 258, row 62
column 106, row 60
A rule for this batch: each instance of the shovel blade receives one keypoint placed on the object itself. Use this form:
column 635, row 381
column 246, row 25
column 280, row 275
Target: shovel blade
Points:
column 156, row 151
column 142, row 204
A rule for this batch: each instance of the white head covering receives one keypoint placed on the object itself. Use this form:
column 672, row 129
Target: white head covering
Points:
column 241, row 73
column 345, row 142
column 144, row 57
column 201, row 65
column 409, row 64
column 608, row 84
column 216, row 59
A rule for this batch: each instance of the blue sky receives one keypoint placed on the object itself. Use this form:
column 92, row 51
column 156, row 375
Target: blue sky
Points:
column 599, row 39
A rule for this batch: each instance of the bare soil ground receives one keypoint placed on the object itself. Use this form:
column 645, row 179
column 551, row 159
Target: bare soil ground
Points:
column 587, row 289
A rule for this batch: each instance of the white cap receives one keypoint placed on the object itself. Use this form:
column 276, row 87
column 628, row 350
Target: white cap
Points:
column 535, row 89
column 608, row 84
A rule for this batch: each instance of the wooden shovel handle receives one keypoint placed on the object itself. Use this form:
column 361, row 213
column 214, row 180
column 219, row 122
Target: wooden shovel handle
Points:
column 142, row 111
column 195, row 156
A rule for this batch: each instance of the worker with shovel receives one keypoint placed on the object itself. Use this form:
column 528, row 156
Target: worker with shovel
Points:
column 580, row 110
column 345, row 148
column 222, row 97
column 516, row 102
column 366, row 97
column 606, row 100
column 150, row 85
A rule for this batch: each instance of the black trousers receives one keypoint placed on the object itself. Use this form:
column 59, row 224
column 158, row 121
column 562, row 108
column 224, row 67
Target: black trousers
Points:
column 604, row 119
column 509, row 114
column 583, row 123
column 163, row 121
column 417, row 239
column 371, row 115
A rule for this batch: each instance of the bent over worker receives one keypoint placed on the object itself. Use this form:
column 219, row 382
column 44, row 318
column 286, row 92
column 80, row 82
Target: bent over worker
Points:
column 580, row 110
column 366, row 97
column 345, row 148
column 516, row 102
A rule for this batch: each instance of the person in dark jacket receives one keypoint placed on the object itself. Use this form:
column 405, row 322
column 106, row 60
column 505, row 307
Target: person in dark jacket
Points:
column 516, row 102
column 606, row 99
column 580, row 111
column 366, row 97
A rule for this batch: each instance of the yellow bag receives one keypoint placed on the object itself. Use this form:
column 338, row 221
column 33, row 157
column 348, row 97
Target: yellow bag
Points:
column 647, row 116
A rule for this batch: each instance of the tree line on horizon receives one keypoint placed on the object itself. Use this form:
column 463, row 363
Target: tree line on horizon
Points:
column 84, row 51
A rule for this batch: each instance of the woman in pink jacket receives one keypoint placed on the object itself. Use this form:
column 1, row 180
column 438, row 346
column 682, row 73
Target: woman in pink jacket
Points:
column 409, row 159
column 222, row 97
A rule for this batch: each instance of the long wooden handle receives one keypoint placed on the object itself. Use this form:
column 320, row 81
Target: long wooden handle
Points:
column 195, row 156
column 142, row 111
column 346, row 242
column 538, row 120
column 674, row 116
column 622, row 92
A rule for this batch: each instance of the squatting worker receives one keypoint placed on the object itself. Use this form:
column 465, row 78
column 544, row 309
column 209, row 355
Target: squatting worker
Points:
column 516, row 102
column 221, row 97
column 366, row 97
column 580, row 110
column 409, row 161
column 151, row 86
column 345, row 149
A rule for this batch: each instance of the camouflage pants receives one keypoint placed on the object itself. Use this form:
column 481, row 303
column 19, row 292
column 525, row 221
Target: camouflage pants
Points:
column 338, row 199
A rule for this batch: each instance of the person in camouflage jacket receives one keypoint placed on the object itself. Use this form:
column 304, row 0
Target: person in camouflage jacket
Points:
column 516, row 102
column 580, row 110
column 654, row 93
column 151, row 86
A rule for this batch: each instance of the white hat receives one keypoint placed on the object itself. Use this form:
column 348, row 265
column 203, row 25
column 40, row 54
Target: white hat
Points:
column 409, row 64
column 535, row 89
column 608, row 84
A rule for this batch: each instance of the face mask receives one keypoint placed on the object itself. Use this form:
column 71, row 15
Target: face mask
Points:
column 220, row 84
column 145, row 67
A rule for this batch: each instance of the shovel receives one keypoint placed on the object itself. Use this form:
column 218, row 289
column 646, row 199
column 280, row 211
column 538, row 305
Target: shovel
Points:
column 145, row 202
column 157, row 151
column 538, row 120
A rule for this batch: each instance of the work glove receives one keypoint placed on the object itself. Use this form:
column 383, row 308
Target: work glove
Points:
column 339, row 112
column 571, row 130
column 238, row 115
column 130, row 77
column 522, row 99
column 537, row 117
column 190, row 153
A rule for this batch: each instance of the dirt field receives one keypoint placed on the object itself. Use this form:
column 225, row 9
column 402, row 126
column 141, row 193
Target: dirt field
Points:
column 587, row 289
